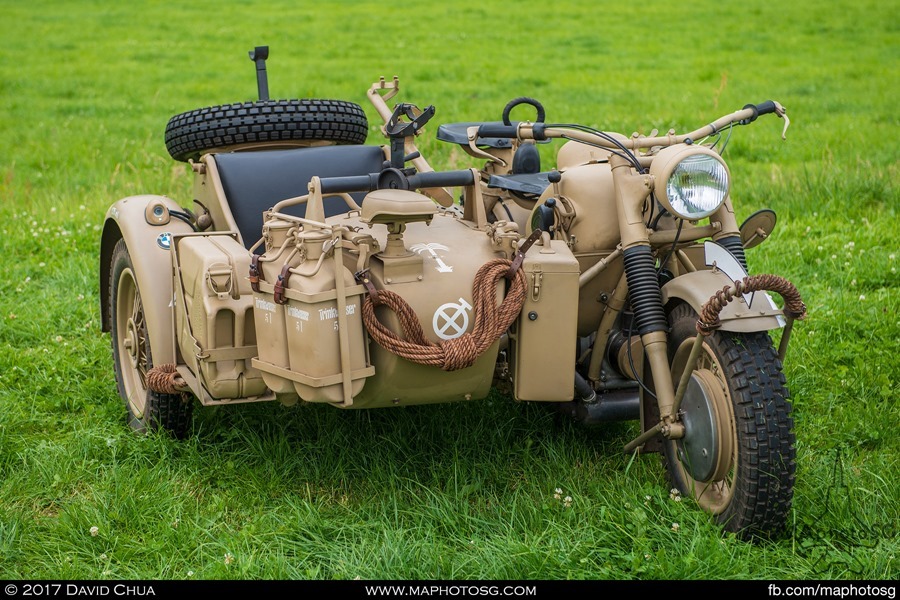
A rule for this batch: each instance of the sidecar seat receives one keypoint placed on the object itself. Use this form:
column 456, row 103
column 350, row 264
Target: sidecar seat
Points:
column 254, row 182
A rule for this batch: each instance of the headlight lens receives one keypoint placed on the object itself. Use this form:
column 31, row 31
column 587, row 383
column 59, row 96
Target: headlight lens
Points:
column 697, row 187
column 692, row 182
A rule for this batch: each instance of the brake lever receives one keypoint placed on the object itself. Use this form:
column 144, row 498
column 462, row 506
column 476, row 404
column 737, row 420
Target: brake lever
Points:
column 472, row 136
column 782, row 113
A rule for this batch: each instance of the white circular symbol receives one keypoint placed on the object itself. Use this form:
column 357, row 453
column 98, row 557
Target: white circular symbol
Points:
column 446, row 319
column 164, row 240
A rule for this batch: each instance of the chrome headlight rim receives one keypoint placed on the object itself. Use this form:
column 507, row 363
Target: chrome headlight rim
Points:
column 667, row 164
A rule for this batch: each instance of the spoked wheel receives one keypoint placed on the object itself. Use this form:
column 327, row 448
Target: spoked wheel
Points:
column 736, row 459
column 147, row 410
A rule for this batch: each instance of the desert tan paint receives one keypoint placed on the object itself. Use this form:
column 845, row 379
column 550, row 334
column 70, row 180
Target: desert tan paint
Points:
column 234, row 344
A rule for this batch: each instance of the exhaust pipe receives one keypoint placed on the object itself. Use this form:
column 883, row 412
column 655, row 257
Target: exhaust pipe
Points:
column 593, row 409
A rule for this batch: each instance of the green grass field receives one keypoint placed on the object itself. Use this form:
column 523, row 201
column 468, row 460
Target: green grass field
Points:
column 450, row 491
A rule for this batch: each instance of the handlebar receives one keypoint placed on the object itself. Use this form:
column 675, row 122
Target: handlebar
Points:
column 398, row 180
column 541, row 131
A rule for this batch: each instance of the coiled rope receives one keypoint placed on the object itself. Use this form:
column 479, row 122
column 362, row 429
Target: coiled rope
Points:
column 794, row 307
column 491, row 321
column 164, row 379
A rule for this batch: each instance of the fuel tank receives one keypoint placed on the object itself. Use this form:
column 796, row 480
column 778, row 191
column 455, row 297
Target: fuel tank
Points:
column 586, row 208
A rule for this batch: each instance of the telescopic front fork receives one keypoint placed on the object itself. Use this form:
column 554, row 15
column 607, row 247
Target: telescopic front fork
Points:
column 632, row 191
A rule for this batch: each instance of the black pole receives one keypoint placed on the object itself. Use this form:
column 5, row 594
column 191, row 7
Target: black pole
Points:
column 259, row 56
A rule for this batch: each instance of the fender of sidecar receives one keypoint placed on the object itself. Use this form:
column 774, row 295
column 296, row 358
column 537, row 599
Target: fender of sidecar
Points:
column 148, row 245
column 697, row 287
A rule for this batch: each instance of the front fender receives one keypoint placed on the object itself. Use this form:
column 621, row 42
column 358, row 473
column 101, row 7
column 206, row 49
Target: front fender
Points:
column 152, row 265
column 697, row 287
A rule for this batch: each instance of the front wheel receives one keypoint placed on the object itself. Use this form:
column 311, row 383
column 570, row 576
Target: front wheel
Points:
column 737, row 457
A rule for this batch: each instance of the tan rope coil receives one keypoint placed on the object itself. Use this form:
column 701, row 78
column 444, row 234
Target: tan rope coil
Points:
column 164, row 379
column 491, row 321
column 794, row 307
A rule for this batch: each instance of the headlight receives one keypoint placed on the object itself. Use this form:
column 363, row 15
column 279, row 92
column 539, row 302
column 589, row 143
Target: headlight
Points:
column 692, row 182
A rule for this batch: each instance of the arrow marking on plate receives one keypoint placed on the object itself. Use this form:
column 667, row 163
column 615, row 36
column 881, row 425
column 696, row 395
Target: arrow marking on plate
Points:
column 719, row 257
column 430, row 249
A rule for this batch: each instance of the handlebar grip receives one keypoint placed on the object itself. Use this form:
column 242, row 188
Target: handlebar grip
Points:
column 441, row 179
column 763, row 108
column 495, row 130
column 356, row 183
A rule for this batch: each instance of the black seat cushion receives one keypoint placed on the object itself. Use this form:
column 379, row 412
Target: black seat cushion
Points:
column 255, row 181
column 525, row 183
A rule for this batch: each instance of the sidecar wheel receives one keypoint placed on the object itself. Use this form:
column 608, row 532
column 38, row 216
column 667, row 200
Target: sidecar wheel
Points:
column 147, row 410
column 270, row 122
column 737, row 458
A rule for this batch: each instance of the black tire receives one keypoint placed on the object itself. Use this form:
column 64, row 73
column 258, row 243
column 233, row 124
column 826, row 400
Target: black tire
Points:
column 147, row 410
column 191, row 133
column 750, row 490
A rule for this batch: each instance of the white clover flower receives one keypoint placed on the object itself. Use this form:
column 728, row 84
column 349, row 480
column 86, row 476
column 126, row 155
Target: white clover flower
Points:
column 95, row 531
column 229, row 558
column 190, row 573
column 862, row 297
column 675, row 527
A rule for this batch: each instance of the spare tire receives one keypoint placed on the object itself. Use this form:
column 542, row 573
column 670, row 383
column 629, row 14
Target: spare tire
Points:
column 283, row 122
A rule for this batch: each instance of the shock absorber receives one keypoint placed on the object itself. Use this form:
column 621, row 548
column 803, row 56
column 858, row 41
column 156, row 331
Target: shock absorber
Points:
column 632, row 189
column 643, row 287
